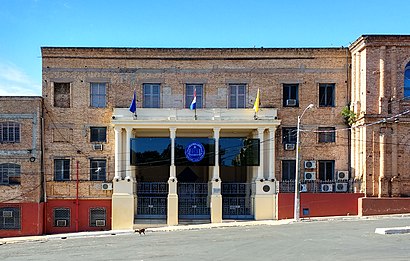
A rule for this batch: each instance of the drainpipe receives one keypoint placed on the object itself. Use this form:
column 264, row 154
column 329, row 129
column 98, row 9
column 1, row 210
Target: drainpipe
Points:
column 77, row 204
column 43, row 178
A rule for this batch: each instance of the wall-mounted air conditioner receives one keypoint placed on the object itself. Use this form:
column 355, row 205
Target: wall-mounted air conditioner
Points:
column 343, row 175
column 291, row 102
column 100, row 223
column 290, row 146
column 309, row 175
column 7, row 214
column 341, row 187
column 326, row 187
column 303, row 187
column 98, row 146
column 106, row 186
column 310, row 164
column 61, row 223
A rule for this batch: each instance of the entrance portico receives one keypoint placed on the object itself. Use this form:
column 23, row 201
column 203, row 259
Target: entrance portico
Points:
column 213, row 124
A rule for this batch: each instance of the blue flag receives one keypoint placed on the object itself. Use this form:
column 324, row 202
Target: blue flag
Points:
column 133, row 106
column 193, row 103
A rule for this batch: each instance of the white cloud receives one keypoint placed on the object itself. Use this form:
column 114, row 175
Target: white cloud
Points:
column 15, row 82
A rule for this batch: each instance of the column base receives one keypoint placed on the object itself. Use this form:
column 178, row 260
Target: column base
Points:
column 123, row 209
column 216, row 208
column 172, row 210
column 264, row 199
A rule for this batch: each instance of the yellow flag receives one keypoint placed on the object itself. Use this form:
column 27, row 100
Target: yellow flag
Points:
column 256, row 104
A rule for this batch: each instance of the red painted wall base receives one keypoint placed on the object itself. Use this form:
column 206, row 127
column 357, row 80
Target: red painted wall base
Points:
column 83, row 215
column 31, row 220
column 319, row 204
column 383, row 206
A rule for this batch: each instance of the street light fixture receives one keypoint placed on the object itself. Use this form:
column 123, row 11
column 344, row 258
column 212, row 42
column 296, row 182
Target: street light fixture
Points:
column 296, row 213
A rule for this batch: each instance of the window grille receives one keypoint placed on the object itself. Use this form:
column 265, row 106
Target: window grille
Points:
column 61, row 217
column 61, row 169
column 97, row 217
column 10, row 174
column 98, row 134
column 10, row 218
column 98, row 169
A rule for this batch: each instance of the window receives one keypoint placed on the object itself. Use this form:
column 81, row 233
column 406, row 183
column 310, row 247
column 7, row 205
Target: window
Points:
column 61, row 169
column 98, row 134
column 61, row 217
column 407, row 81
column 326, row 169
column 190, row 95
column 237, row 95
column 289, row 135
column 326, row 95
column 62, row 95
column 288, row 169
column 291, row 95
column 151, row 95
column 10, row 218
column 10, row 174
column 10, row 132
column 326, row 134
column 98, row 169
column 98, row 94
column 97, row 217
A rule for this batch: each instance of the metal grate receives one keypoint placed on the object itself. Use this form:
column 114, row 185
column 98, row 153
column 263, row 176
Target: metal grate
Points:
column 152, row 199
column 10, row 218
column 236, row 200
column 61, row 217
column 319, row 186
column 193, row 200
column 98, row 217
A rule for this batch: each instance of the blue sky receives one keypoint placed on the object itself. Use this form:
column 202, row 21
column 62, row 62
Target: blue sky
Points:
column 26, row 25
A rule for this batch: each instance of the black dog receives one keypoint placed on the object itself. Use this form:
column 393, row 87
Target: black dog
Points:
column 140, row 231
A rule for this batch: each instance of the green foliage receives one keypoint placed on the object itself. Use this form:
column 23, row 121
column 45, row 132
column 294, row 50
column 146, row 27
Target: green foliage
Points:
column 348, row 115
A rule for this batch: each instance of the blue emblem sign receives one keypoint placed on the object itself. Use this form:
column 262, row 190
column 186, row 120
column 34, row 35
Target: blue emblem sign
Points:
column 195, row 152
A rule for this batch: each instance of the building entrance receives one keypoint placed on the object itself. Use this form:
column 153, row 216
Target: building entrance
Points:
column 236, row 193
column 193, row 199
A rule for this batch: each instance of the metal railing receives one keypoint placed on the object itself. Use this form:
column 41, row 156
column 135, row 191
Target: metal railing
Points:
column 320, row 186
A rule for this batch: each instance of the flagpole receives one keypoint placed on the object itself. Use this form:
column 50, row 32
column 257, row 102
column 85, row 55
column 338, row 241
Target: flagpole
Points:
column 195, row 113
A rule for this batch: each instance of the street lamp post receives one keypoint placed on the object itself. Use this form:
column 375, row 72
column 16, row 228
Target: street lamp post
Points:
column 296, row 213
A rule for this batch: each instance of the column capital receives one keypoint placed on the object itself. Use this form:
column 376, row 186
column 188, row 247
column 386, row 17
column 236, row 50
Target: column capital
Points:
column 172, row 132
column 128, row 129
column 261, row 131
column 117, row 129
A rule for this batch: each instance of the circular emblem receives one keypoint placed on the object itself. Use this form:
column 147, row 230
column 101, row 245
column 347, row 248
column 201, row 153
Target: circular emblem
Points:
column 195, row 152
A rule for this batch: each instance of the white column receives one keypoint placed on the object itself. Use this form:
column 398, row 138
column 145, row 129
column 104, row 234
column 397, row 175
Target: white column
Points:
column 172, row 172
column 382, row 162
column 215, row 175
column 128, row 174
column 272, row 155
column 117, row 152
column 261, row 163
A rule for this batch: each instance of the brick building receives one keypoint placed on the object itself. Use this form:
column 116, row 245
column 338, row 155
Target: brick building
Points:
column 106, row 167
column 380, row 99
column 87, row 92
column 21, row 182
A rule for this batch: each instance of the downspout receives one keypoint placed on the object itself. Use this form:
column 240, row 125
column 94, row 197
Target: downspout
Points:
column 43, row 178
column 349, row 133
column 76, row 201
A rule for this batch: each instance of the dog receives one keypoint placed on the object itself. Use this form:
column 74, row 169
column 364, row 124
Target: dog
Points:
column 140, row 231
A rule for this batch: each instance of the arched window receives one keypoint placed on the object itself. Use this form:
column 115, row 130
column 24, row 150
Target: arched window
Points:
column 407, row 81
column 10, row 174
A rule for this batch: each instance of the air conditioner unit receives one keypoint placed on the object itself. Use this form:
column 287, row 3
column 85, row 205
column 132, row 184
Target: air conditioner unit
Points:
column 310, row 164
column 309, row 175
column 106, row 186
column 303, row 187
column 7, row 213
column 100, row 223
column 341, row 187
column 289, row 146
column 291, row 102
column 343, row 175
column 97, row 146
column 326, row 188
column 61, row 223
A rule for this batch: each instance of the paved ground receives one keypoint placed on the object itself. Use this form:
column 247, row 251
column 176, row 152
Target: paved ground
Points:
column 327, row 239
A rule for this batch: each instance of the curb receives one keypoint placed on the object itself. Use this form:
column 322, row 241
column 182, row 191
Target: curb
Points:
column 392, row 231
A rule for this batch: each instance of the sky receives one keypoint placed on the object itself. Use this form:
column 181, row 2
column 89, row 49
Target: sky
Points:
column 27, row 25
